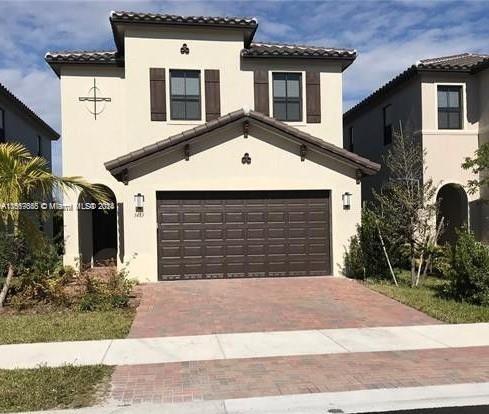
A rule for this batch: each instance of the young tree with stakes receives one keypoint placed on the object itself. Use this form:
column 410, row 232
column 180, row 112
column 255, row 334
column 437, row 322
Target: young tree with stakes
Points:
column 406, row 205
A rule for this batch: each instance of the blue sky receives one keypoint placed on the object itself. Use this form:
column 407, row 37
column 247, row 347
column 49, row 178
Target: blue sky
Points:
column 388, row 35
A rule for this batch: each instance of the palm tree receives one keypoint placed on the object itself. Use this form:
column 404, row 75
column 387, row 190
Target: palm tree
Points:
column 25, row 178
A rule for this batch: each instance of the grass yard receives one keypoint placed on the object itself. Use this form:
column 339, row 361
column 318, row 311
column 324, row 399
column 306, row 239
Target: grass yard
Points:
column 45, row 388
column 426, row 298
column 65, row 326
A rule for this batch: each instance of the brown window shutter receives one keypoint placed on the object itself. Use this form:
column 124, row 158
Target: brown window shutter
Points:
column 313, row 97
column 157, row 93
column 212, row 94
column 261, row 92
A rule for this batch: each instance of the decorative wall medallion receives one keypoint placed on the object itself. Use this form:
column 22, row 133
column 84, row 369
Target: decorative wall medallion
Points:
column 246, row 159
column 184, row 50
column 93, row 99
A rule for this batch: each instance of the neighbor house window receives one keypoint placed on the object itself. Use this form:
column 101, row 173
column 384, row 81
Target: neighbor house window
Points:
column 449, row 107
column 185, row 94
column 39, row 146
column 287, row 96
column 350, row 139
column 2, row 125
column 387, row 115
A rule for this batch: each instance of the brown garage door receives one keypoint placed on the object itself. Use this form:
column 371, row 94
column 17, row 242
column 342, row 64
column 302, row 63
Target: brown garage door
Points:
column 243, row 234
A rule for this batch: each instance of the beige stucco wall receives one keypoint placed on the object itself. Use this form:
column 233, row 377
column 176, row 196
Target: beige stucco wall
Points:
column 125, row 125
column 446, row 150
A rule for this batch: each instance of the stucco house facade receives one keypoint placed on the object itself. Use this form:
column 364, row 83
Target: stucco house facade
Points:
column 444, row 102
column 223, row 156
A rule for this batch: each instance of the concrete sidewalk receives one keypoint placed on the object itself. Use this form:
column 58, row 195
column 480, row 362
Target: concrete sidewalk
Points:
column 243, row 345
column 349, row 402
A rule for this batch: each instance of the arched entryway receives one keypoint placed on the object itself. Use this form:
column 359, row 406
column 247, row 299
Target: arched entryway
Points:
column 454, row 209
column 97, row 231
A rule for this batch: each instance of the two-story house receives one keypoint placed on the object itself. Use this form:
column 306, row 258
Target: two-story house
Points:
column 444, row 102
column 18, row 123
column 223, row 156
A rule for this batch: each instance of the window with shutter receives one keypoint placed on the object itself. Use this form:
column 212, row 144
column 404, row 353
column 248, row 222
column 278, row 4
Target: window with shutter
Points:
column 157, row 94
column 313, row 97
column 261, row 92
column 287, row 96
column 212, row 94
column 185, row 95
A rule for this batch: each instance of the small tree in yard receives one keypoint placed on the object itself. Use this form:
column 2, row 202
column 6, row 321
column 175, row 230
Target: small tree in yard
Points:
column 406, row 204
column 479, row 165
column 25, row 179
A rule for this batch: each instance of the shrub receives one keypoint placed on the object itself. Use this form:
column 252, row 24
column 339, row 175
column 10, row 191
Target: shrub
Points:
column 365, row 256
column 42, row 280
column 468, row 272
column 354, row 264
column 111, row 291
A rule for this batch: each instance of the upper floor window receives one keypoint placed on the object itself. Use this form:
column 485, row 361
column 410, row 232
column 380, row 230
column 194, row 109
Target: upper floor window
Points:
column 39, row 146
column 2, row 125
column 185, row 94
column 387, row 115
column 449, row 107
column 287, row 96
column 350, row 139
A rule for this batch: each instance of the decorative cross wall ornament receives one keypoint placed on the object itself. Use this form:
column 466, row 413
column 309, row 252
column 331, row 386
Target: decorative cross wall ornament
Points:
column 94, row 98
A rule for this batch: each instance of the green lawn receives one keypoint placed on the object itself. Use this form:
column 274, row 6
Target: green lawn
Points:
column 45, row 388
column 64, row 326
column 426, row 298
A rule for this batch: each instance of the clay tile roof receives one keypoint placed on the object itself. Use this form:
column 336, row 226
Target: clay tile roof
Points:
column 119, row 18
column 291, row 50
column 118, row 165
column 111, row 57
column 82, row 56
column 52, row 134
column 135, row 17
column 464, row 62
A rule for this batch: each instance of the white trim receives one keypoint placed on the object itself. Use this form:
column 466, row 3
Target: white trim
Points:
column 302, row 122
column 462, row 132
column 464, row 105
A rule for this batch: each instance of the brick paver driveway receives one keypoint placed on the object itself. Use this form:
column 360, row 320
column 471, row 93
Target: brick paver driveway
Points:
column 283, row 304
column 200, row 307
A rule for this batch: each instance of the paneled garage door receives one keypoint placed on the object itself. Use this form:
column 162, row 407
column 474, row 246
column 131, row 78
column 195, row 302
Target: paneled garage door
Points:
column 243, row 234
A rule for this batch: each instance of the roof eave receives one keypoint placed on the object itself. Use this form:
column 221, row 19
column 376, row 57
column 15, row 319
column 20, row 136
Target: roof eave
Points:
column 24, row 109
column 125, row 162
column 118, row 24
column 345, row 60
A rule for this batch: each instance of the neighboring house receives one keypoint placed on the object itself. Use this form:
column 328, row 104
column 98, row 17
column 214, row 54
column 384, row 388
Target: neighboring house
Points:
column 18, row 123
column 204, row 186
column 444, row 102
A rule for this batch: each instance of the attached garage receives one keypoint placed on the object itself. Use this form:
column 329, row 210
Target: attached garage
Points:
column 235, row 234
column 243, row 195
